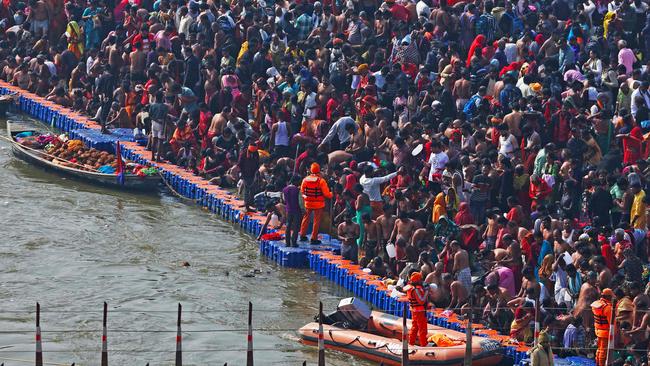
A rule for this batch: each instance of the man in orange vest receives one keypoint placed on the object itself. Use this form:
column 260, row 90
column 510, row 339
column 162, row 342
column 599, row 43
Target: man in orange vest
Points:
column 417, row 296
column 314, row 190
column 602, row 309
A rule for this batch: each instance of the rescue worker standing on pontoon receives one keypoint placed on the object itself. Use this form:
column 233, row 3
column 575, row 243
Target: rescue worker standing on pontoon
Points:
column 417, row 297
column 314, row 191
column 602, row 309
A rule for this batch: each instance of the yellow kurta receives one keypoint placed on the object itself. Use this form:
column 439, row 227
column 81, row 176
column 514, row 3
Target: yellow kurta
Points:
column 638, row 211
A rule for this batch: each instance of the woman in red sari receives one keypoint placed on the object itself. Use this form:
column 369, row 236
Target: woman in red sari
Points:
column 632, row 144
column 479, row 42
column 464, row 216
column 205, row 118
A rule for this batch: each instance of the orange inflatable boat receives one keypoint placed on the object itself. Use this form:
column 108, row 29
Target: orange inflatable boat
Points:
column 381, row 342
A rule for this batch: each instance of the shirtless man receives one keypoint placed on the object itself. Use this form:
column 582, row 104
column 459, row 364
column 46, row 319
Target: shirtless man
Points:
column 373, row 134
column 423, row 237
column 386, row 223
column 588, row 294
column 58, row 96
column 498, row 294
column 118, row 118
column 604, row 273
column 115, row 59
column 219, row 122
column 491, row 231
column 529, row 282
column 513, row 120
column 457, row 291
column 549, row 47
column 462, row 90
column 461, row 265
column 403, row 229
column 348, row 232
column 138, row 62
column 39, row 16
column 440, row 17
column 501, row 255
column 402, row 202
column 425, row 264
column 435, row 277
column 559, row 245
column 372, row 234
column 21, row 77
column 641, row 302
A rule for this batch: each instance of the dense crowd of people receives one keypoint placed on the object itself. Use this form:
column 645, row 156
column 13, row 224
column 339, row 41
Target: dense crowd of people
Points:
column 498, row 148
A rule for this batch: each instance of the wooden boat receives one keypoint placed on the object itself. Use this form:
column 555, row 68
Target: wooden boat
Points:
column 381, row 342
column 37, row 157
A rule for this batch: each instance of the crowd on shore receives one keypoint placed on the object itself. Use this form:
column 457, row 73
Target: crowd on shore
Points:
column 492, row 139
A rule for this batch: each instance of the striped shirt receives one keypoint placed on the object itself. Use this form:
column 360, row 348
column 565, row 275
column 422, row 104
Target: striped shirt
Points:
column 486, row 25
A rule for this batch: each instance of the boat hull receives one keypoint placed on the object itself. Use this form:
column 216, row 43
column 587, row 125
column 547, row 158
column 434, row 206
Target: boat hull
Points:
column 384, row 344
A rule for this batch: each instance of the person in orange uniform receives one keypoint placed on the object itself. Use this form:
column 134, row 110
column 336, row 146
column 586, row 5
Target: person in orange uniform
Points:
column 314, row 191
column 602, row 309
column 417, row 296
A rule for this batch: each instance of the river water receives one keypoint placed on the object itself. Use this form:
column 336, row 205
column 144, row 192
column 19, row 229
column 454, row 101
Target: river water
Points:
column 72, row 246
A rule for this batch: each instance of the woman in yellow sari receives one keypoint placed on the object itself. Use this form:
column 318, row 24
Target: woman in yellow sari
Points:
column 520, row 328
column 638, row 210
column 75, row 37
column 439, row 207
column 609, row 17
column 453, row 202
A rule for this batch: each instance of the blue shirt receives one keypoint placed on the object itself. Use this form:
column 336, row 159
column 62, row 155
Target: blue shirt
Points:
column 545, row 250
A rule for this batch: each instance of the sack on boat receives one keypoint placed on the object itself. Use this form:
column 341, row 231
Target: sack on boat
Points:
column 442, row 340
column 24, row 134
column 44, row 140
column 74, row 145
column 29, row 141
column 106, row 169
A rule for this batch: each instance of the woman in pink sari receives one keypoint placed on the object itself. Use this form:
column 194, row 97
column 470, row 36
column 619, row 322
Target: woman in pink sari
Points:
column 230, row 80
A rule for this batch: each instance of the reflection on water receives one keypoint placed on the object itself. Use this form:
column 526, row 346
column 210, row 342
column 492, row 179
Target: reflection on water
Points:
column 71, row 246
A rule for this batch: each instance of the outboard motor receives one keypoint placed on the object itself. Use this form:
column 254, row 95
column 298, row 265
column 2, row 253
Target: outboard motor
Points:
column 351, row 313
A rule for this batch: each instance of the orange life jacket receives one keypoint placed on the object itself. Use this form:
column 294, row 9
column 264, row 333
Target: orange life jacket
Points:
column 312, row 191
column 602, row 314
column 417, row 297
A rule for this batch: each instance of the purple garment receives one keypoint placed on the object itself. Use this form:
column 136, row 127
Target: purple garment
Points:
column 290, row 194
column 507, row 280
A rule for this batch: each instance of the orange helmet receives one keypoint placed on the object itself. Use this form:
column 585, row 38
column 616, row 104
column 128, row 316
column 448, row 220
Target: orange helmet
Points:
column 416, row 277
column 315, row 168
column 607, row 293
